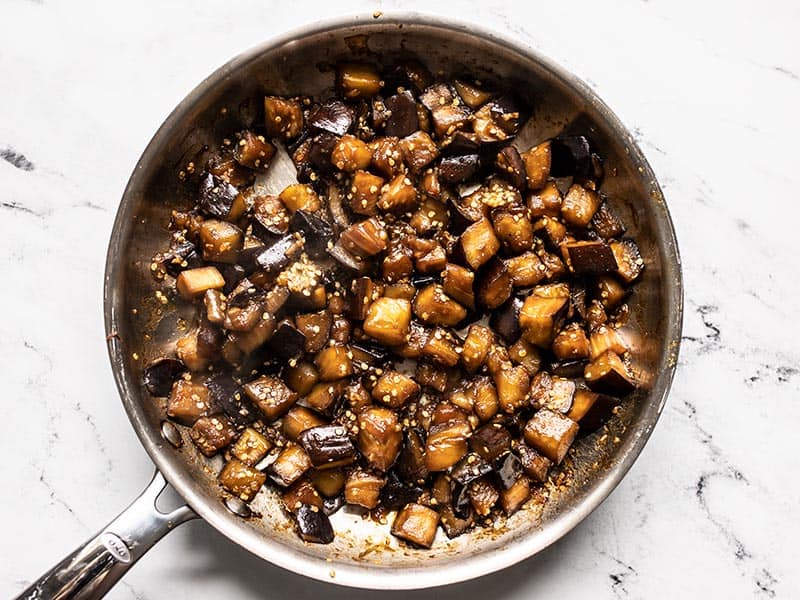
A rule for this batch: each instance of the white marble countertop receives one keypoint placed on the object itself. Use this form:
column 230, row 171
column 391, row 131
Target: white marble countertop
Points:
column 712, row 507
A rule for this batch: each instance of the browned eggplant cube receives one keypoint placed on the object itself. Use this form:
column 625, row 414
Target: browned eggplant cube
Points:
column 249, row 341
column 441, row 347
column 553, row 393
column 486, row 127
column 271, row 395
column 606, row 223
column 533, row 464
column 365, row 190
column 483, row 495
column 399, row 195
column 366, row 238
column 251, row 447
column 446, row 445
column 514, row 497
column 579, row 205
column 551, row 434
column 449, row 118
column 629, row 260
column 313, row 525
column 316, row 327
column 472, row 94
column 479, row 243
column 524, row 353
column 431, row 216
column 300, row 196
column 485, row 403
column 212, row 434
column 419, row 150
column 388, row 320
column 302, row 492
column 513, row 228
column 351, row 154
column 301, row 378
column 571, row 343
column 395, row 389
column 417, row 524
column 323, row 396
column 253, row 151
column 512, row 384
column 510, row 165
column 188, row 401
column 590, row 257
column 542, row 313
column 603, row 339
column 298, row 419
column 431, row 376
column 610, row 292
column 434, row 261
column 493, row 284
column 433, row 306
column 188, row 353
column 334, row 362
column 193, row 283
column 551, row 230
column 415, row 342
column 358, row 80
column 292, row 463
column 525, row 270
column 457, row 282
column 607, row 373
column 328, row 446
column 380, row 437
column 363, row 488
column 270, row 215
column 329, row 482
column 397, row 264
column 387, row 156
column 537, row 165
column 241, row 480
column 283, row 117
column 490, row 441
column 476, row 346
column 215, row 305
column 545, row 202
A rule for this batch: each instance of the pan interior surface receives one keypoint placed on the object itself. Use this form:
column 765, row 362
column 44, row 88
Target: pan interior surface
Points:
column 138, row 324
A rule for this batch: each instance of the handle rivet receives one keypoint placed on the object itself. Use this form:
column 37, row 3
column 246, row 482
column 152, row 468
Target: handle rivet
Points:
column 170, row 433
column 237, row 507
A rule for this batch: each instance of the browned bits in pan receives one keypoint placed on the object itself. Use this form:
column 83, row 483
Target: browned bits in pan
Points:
column 421, row 324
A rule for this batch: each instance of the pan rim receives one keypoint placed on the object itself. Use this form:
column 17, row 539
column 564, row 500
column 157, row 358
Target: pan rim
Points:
column 362, row 575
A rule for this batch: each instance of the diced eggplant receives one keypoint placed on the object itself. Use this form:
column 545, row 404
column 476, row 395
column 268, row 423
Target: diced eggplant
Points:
column 334, row 363
column 212, row 434
column 367, row 352
column 490, row 441
column 610, row 292
column 223, row 166
column 476, row 346
column 193, row 283
column 417, row 524
column 329, row 482
column 537, row 163
column 446, row 445
column 332, row 116
column 579, row 205
column 251, row 447
column 534, row 464
column 270, row 218
column 431, row 216
column 470, row 468
column 551, row 230
column 606, row 223
column 249, row 341
column 188, row 401
column 458, row 168
column 388, row 320
column 358, row 80
column 241, row 480
column 328, row 446
column 515, row 496
column 402, row 117
column 316, row 160
column 253, row 151
column 512, row 387
column 408, row 73
column 554, row 267
column 553, row 393
column 505, row 320
column 299, row 493
column 244, row 312
column 159, row 376
column 365, row 239
column 332, row 505
column 215, row 196
column 433, row 261
column 299, row 419
column 324, row 396
column 419, row 150
column 471, row 93
column 486, row 127
column 571, row 343
column 363, row 488
column 398, row 264
column 448, row 412
column 399, row 195
column 433, row 306
column 431, row 376
column 513, row 228
column 316, row 231
column 283, row 117
column 387, row 156
column 179, row 258
column 629, row 260
column 287, row 342
column 215, row 305
column 592, row 410
column 551, row 434
column 511, row 166
column 607, row 373
column 603, row 339
column 272, row 396
column 568, row 368
column 485, row 403
column 186, row 349
column 227, row 396
column 483, row 495
column 411, row 462
column 272, row 258
column 365, row 190
column 542, row 313
column 313, row 525
column 571, row 157
column 479, row 243
column 493, row 284
column 457, row 282
column 523, row 353
column 415, row 341
column 380, row 437
column 546, row 202
column 508, row 469
column 395, row 494
column 525, row 270
column 596, row 316
column 591, row 257
column 441, row 347
column 395, row 389
column 351, row 154
column 300, row 196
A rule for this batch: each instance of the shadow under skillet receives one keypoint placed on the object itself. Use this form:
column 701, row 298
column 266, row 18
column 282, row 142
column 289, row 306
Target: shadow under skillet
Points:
column 216, row 557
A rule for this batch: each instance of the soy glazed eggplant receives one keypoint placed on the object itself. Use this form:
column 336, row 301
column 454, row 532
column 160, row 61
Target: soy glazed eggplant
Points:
column 420, row 326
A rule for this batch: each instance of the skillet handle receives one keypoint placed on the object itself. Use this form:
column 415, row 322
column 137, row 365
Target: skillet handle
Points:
column 93, row 569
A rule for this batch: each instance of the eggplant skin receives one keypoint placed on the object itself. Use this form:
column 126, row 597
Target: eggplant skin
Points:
column 334, row 116
column 159, row 376
column 313, row 524
column 216, row 196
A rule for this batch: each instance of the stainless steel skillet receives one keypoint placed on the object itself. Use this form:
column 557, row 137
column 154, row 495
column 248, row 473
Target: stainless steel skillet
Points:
column 139, row 326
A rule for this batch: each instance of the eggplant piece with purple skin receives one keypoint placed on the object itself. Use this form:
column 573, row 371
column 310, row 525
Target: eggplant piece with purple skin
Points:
column 408, row 74
column 159, row 376
column 328, row 446
column 455, row 169
column 271, row 258
column 490, row 441
column 209, row 339
column 508, row 112
column 332, row 505
column 510, row 165
column 568, row 368
column 317, row 158
column 347, row 259
column 313, row 524
column 593, row 257
column 505, row 320
column 395, row 494
column 411, row 462
column 402, row 119
column 461, row 144
column 287, row 342
column 571, row 156
column 470, row 468
column 493, row 284
column 508, row 470
column 318, row 232
column 229, row 397
column 181, row 257
column 215, row 196
column 333, row 116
